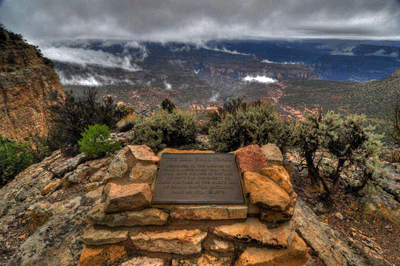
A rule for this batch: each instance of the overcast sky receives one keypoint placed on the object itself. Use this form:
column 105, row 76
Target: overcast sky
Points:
column 195, row 20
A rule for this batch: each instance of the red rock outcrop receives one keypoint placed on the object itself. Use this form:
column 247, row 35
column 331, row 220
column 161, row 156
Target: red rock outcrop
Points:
column 28, row 86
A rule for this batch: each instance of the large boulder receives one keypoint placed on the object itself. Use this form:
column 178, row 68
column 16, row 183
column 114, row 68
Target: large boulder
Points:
column 256, row 232
column 280, row 176
column 273, row 153
column 250, row 158
column 143, row 153
column 265, row 192
column 130, row 156
column 127, row 197
column 121, row 164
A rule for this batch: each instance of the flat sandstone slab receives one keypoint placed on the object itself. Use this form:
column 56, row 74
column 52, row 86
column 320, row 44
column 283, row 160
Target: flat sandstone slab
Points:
column 184, row 242
column 95, row 236
column 206, row 212
column 198, row 179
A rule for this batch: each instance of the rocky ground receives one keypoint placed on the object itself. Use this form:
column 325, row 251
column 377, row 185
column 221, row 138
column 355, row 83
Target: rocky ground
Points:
column 369, row 225
column 43, row 216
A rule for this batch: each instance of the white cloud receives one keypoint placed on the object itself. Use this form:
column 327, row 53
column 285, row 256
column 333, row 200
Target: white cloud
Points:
column 81, row 81
column 85, row 57
column 348, row 51
column 214, row 97
column 167, row 85
column 224, row 50
column 284, row 63
column 260, row 79
column 382, row 52
column 198, row 21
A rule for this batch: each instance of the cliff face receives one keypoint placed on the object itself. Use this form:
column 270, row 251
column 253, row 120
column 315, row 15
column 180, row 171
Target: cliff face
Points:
column 28, row 85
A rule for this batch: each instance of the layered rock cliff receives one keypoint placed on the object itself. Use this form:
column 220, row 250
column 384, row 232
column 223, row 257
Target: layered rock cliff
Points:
column 28, row 86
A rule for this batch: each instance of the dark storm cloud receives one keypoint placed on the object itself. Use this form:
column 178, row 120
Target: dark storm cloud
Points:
column 202, row 19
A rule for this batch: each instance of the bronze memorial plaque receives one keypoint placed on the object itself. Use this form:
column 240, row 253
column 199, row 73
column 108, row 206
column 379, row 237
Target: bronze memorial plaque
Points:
column 202, row 178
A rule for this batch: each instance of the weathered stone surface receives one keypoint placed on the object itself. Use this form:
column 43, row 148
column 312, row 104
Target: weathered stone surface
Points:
column 102, row 255
column 295, row 255
column 95, row 236
column 29, row 87
column 66, row 166
column 150, row 216
column 53, row 186
column 144, row 261
column 143, row 153
column 265, row 192
column 222, row 246
column 324, row 240
column 391, row 174
column 126, row 197
column 144, row 172
column 250, row 158
column 121, row 164
column 184, row 242
column 99, row 163
column 79, row 175
column 280, row 176
column 273, row 153
column 256, row 232
column 205, row 259
column 208, row 212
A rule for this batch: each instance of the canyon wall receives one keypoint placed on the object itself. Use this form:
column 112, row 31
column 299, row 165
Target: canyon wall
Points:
column 28, row 86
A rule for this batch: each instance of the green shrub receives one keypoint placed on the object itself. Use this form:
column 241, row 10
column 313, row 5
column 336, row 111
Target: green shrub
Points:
column 164, row 129
column 14, row 157
column 168, row 105
column 241, row 124
column 94, row 142
column 70, row 119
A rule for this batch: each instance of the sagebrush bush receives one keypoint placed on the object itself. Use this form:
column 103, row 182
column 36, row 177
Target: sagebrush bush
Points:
column 127, row 122
column 241, row 124
column 164, row 129
column 94, row 142
column 338, row 150
column 14, row 157
column 70, row 119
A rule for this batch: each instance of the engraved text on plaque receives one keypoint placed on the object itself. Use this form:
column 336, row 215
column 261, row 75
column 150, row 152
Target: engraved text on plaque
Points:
column 198, row 179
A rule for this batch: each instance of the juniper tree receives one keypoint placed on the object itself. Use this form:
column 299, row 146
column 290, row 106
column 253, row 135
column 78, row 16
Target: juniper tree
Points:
column 332, row 146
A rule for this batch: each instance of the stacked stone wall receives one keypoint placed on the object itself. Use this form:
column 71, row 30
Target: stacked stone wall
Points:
column 126, row 229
